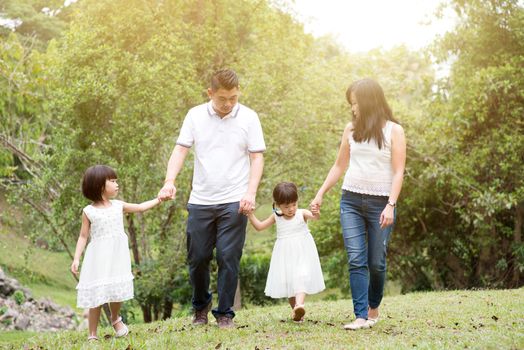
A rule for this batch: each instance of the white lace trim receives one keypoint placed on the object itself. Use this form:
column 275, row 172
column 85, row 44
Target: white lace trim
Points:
column 96, row 296
column 362, row 190
column 104, row 282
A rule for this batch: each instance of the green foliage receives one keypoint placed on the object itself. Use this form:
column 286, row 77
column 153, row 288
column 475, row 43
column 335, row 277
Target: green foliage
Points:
column 462, row 201
column 253, row 275
column 19, row 297
column 34, row 22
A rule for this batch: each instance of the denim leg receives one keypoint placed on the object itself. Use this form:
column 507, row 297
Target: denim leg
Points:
column 378, row 240
column 201, row 238
column 231, row 235
column 354, row 234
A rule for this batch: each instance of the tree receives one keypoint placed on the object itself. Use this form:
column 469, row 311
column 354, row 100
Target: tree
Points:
column 463, row 221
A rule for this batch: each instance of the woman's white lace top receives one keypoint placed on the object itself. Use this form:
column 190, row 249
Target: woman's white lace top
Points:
column 370, row 170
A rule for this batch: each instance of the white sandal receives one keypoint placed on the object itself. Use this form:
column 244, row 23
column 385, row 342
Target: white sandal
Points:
column 353, row 326
column 92, row 338
column 372, row 321
column 123, row 331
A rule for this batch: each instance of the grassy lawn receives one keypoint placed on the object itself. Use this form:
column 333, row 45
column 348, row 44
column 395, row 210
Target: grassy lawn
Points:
column 490, row 319
column 46, row 273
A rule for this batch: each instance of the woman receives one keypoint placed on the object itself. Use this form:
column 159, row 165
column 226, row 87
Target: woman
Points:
column 373, row 145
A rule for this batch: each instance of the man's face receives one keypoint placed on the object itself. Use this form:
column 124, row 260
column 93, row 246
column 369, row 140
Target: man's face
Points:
column 223, row 100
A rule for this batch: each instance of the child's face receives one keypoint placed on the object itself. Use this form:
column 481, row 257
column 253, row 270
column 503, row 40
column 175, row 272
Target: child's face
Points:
column 110, row 189
column 289, row 209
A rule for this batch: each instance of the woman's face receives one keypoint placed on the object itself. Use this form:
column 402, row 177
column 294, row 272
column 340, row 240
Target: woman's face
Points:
column 354, row 105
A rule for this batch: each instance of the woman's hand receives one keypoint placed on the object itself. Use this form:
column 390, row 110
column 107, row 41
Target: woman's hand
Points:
column 386, row 218
column 315, row 204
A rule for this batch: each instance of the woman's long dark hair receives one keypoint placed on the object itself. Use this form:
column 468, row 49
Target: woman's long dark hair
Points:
column 373, row 109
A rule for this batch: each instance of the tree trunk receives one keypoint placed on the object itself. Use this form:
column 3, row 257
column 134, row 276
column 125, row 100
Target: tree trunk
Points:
column 168, row 309
column 146, row 312
column 517, row 240
column 132, row 237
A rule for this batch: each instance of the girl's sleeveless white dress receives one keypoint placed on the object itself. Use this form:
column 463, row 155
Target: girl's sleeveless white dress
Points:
column 295, row 265
column 105, row 274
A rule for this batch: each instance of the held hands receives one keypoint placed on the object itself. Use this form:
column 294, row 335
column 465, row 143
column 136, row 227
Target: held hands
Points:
column 167, row 192
column 74, row 266
column 247, row 204
column 315, row 204
column 386, row 217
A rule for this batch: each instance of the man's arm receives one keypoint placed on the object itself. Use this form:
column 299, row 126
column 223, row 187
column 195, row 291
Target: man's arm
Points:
column 247, row 204
column 176, row 161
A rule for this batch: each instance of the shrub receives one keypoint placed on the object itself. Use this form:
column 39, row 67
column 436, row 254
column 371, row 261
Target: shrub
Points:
column 19, row 297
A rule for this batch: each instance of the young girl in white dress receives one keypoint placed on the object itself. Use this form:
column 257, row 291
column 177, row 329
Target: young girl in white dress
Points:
column 106, row 270
column 295, row 269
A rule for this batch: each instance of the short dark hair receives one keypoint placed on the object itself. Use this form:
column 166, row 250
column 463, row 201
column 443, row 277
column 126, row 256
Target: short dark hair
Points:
column 224, row 78
column 285, row 193
column 94, row 181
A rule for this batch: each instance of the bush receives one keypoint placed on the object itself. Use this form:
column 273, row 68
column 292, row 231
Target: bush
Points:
column 253, row 274
column 19, row 297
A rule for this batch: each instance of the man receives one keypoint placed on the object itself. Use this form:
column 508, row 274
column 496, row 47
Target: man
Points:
column 229, row 146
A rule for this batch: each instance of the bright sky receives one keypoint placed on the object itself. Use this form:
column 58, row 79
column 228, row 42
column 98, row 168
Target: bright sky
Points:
column 361, row 25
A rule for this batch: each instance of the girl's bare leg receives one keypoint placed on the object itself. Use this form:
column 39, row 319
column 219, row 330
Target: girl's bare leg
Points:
column 115, row 313
column 300, row 298
column 292, row 302
column 92, row 318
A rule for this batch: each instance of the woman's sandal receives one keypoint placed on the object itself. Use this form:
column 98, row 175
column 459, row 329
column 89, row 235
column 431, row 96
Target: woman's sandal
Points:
column 92, row 338
column 298, row 313
column 353, row 326
column 372, row 321
column 123, row 331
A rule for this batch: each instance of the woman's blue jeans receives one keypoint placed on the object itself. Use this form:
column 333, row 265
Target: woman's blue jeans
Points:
column 366, row 247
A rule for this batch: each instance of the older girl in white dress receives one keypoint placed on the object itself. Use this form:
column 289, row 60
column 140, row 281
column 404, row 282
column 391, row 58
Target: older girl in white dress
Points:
column 295, row 269
column 106, row 269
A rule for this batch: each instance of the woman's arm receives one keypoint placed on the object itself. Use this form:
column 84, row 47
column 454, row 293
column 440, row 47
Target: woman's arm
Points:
column 398, row 163
column 138, row 208
column 81, row 243
column 261, row 225
column 336, row 171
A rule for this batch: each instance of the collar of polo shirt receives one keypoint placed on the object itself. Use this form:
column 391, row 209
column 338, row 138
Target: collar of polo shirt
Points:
column 212, row 112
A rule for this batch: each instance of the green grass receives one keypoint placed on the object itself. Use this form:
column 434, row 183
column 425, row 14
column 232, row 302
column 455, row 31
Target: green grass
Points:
column 490, row 319
column 44, row 272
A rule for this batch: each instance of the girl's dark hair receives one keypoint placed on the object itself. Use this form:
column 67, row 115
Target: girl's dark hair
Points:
column 94, row 181
column 285, row 193
column 373, row 109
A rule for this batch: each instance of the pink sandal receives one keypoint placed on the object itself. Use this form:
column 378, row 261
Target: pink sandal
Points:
column 123, row 331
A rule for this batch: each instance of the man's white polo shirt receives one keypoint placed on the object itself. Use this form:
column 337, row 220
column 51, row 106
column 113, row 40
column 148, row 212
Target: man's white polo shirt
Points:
column 222, row 147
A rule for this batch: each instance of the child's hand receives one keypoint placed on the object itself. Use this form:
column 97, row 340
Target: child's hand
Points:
column 74, row 266
column 315, row 205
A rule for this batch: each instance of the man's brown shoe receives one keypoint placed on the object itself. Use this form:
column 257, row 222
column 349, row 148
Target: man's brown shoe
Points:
column 200, row 316
column 225, row 322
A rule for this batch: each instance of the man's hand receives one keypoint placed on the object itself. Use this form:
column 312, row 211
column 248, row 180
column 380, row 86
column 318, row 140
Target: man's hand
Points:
column 247, row 204
column 167, row 192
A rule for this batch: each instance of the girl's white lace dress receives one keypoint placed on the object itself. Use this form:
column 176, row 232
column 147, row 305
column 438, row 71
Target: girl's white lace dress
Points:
column 295, row 266
column 105, row 274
